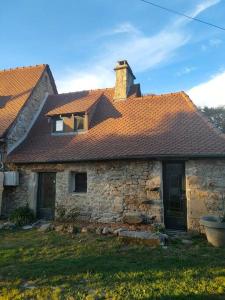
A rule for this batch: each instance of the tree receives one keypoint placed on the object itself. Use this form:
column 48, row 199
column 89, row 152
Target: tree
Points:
column 216, row 115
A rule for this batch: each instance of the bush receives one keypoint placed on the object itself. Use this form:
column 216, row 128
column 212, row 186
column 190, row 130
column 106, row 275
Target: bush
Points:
column 22, row 216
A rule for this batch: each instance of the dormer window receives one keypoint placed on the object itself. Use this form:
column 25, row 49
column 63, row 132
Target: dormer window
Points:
column 79, row 123
column 58, row 125
column 69, row 124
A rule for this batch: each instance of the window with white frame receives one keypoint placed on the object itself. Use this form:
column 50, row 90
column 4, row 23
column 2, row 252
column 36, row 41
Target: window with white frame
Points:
column 58, row 125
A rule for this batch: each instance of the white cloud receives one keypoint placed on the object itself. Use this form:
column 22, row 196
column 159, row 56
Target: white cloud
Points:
column 212, row 43
column 215, row 42
column 143, row 52
column 186, row 71
column 125, row 28
column 96, row 77
column 203, row 6
column 198, row 9
column 210, row 93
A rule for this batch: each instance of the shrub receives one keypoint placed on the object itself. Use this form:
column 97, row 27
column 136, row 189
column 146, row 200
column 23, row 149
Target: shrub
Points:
column 22, row 216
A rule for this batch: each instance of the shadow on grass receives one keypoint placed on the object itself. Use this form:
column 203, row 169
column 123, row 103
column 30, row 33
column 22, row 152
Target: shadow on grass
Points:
column 102, row 263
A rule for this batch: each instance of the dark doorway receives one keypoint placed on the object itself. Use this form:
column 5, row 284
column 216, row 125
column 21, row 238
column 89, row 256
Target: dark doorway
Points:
column 174, row 195
column 46, row 195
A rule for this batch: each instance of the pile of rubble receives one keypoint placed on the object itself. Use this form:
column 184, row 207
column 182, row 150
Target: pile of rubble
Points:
column 133, row 230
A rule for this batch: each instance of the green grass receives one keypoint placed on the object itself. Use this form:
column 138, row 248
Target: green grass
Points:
column 36, row 265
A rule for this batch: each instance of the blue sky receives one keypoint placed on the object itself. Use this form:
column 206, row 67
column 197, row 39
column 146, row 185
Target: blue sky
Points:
column 82, row 40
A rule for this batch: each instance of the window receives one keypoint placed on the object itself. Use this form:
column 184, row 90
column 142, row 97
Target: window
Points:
column 58, row 125
column 78, row 123
column 79, row 182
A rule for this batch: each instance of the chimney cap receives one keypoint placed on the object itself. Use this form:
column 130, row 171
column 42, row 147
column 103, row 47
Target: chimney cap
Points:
column 124, row 64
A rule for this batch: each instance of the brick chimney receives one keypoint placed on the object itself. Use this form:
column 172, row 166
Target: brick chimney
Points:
column 124, row 80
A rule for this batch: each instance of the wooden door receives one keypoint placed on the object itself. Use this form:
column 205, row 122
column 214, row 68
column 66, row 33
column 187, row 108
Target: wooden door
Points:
column 174, row 196
column 46, row 195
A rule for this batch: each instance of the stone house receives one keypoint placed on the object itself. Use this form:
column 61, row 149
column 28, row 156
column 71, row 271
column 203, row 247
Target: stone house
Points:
column 102, row 154
column 23, row 92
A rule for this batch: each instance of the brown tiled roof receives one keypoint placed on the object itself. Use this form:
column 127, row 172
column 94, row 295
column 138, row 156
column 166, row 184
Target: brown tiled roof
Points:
column 16, row 85
column 74, row 102
column 150, row 127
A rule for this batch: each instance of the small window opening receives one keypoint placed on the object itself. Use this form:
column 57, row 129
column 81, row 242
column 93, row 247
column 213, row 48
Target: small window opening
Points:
column 79, row 123
column 79, row 182
column 58, row 125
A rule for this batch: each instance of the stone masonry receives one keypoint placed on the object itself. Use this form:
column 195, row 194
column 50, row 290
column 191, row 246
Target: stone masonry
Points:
column 118, row 187
column 1, row 189
column 114, row 188
column 205, row 189
column 21, row 125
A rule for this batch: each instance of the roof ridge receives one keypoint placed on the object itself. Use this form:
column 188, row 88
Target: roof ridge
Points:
column 90, row 90
column 160, row 95
column 23, row 67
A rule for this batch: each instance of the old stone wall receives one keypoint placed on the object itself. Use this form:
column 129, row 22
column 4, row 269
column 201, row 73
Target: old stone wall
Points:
column 113, row 189
column 28, row 113
column 14, row 197
column 1, row 189
column 205, row 184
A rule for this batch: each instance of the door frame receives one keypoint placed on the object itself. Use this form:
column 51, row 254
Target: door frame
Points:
column 39, row 191
column 164, row 187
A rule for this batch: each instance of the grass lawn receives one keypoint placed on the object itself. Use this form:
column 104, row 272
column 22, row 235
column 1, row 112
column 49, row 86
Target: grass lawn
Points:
column 35, row 265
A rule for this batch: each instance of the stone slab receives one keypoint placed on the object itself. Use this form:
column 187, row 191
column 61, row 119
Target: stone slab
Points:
column 145, row 237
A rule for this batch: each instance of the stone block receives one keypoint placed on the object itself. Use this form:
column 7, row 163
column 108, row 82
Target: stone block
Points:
column 145, row 237
column 45, row 227
column 133, row 218
column 153, row 195
column 153, row 183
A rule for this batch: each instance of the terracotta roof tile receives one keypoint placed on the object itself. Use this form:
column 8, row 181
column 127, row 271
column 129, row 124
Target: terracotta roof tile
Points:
column 148, row 126
column 16, row 85
column 74, row 102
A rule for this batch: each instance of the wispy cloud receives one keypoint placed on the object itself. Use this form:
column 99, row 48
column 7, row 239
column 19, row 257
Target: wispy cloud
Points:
column 203, row 6
column 197, row 10
column 210, row 93
column 125, row 28
column 186, row 71
column 142, row 51
column 212, row 43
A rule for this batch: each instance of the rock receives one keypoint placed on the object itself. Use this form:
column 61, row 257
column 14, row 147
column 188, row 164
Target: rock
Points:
column 98, row 230
column 9, row 225
column 106, row 220
column 118, row 230
column 59, row 228
column 45, row 227
column 106, row 230
column 84, row 230
column 165, row 236
column 1, row 226
column 28, row 285
column 38, row 223
column 27, row 227
column 145, row 237
column 72, row 229
column 186, row 242
column 154, row 183
column 133, row 218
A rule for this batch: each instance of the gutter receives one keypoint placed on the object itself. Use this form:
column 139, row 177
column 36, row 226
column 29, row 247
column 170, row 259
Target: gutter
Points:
column 177, row 157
